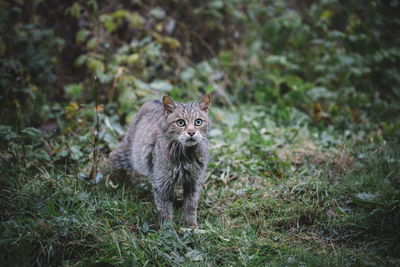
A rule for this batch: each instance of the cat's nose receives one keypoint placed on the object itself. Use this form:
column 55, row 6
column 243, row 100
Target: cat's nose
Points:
column 191, row 132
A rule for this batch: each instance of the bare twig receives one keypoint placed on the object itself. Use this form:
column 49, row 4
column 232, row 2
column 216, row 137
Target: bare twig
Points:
column 93, row 173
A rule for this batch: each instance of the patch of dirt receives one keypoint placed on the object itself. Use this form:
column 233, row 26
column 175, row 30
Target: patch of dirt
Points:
column 337, row 161
column 306, row 153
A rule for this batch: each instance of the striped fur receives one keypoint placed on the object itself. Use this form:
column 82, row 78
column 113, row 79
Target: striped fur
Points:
column 159, row 147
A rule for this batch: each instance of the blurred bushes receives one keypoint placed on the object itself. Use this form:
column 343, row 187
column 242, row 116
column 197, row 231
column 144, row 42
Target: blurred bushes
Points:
column 28, row 56
column 336, row 61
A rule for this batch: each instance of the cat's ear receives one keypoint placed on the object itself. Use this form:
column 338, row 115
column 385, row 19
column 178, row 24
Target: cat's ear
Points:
column 204, row 102
column 168, row 104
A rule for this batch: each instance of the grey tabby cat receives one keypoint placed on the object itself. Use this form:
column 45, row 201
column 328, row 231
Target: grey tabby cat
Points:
column 167, row 142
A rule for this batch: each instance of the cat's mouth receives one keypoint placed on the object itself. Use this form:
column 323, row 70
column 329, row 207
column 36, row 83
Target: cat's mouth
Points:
column 190, row 142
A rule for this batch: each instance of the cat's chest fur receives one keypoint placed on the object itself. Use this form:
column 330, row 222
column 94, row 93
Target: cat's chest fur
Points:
column 187, row 163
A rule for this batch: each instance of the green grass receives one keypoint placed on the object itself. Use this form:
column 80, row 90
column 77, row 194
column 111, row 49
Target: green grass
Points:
column 275, row 194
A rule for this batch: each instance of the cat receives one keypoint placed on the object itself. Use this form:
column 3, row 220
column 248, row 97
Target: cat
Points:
column 167, row 142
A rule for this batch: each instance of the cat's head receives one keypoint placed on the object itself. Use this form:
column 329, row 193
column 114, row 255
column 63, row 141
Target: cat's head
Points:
column 187, row 123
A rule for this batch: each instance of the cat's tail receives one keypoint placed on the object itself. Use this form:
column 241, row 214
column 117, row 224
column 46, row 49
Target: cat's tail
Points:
column 120, row 158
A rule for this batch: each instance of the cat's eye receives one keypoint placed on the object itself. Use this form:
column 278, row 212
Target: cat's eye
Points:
column 198, row 122
column 180, row 123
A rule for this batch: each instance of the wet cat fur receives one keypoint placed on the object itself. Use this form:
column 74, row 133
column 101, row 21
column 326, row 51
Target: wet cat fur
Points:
column 167, row 142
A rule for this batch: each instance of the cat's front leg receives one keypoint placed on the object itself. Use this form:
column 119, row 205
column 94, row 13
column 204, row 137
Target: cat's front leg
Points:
column 163, row 197
column 191, row 194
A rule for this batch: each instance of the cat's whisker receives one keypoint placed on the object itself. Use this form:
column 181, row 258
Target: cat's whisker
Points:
column 203, row 141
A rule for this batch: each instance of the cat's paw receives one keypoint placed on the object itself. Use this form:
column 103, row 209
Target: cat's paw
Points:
column 191, row 223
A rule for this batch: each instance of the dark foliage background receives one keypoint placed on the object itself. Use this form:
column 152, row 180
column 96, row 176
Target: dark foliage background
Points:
column 338, row 58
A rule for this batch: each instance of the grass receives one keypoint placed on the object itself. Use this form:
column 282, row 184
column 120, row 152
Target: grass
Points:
column 275, row 194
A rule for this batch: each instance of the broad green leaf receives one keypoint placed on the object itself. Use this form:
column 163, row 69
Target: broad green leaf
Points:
column 95, row 65
column 135, row 19
column 32, row 133
column 80, row 60
column 161, row 86
column 91, row 44
column 81, row 36
column 73, row 90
